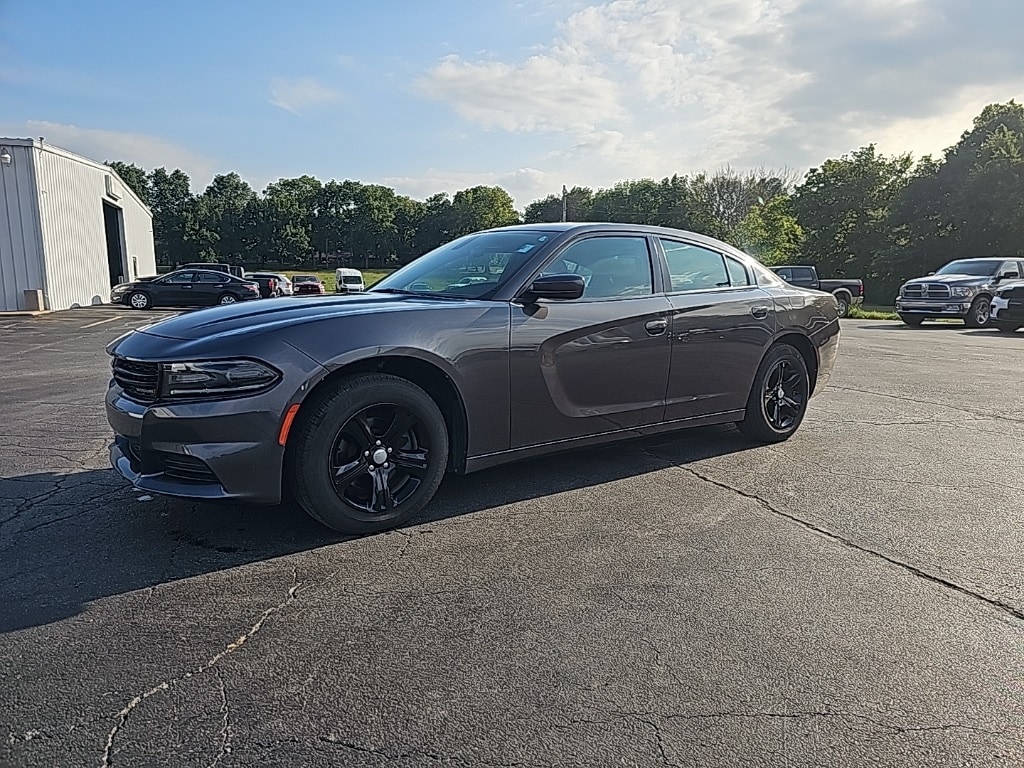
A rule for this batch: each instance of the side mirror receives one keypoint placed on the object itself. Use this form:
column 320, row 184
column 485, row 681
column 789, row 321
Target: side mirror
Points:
column 1009, row 276
column 931, row 273
column 559, row 287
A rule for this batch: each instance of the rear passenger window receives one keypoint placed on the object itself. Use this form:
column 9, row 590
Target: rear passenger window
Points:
column 737, row 272
column 693, row 268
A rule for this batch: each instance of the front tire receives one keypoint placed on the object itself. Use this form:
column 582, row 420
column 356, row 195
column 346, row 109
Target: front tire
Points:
column 139, row 300
column 912, row 320
column 368, row 455
column 778, row 398
column 979, row 314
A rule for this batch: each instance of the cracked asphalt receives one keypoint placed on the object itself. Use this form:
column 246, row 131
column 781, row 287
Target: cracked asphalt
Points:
column 853, row 597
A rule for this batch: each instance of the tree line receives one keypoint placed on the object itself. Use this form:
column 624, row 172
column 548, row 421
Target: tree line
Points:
column 865, row 214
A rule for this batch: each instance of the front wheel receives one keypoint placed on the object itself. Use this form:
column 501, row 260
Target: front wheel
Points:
column 369, row 454
column 979, row 313
column 139, row 300
column 778, row 399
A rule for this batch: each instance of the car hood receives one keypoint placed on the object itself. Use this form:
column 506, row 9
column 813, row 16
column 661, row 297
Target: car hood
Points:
column 952, row 279
column 268, row 315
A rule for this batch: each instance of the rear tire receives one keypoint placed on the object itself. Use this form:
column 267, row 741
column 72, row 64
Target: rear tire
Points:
column 139, row 300
column 368, row 455
column 778, row 397
column 226, row 299
column 912, row 320
column 844, row 303
column 979, row 314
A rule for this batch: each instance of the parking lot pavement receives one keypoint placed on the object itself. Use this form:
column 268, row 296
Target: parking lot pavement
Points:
column 854, row 596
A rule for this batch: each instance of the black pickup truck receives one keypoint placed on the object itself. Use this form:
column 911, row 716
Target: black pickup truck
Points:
column 848, row 291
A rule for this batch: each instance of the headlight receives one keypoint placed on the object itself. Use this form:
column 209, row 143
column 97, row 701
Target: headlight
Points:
column 218, row 378
column 119, row 289
column 962, row 291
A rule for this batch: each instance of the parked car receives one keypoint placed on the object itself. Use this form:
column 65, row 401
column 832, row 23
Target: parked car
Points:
column 584, row 334
column 348, row 280
column 185, row 288
column 267, row 284
column 848, row 291
column 231, row 269
column 962, row 289
column 1008, row 307
column 284, row 285
column 304, row 285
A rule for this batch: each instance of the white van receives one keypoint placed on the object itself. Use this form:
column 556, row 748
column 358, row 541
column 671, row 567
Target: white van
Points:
column 348, row 280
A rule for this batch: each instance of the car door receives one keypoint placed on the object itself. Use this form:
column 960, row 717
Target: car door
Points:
column 208, row 286
column 174, row 290
column 721, row 324
column 598, row 363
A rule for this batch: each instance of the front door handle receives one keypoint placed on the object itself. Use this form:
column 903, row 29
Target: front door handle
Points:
column 760, row 312
column 656, row 327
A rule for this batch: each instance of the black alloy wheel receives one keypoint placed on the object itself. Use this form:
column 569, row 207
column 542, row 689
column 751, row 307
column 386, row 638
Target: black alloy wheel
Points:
column 779, row 397
column 367, row 454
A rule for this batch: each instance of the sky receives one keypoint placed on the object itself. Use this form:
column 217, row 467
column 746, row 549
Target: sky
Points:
column 439, row 95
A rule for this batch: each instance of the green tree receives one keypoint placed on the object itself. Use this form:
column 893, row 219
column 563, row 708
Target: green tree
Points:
column 174, row 216
column 770, row 232
column 577, row 203
column 134, row 176
column 481, row 207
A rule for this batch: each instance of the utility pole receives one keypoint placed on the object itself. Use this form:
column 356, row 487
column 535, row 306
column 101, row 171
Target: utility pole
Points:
column 565, row 203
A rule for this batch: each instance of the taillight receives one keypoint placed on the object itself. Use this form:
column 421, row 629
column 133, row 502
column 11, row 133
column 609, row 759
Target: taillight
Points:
column 862, row 289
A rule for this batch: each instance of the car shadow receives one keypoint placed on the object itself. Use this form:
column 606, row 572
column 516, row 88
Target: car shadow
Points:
column 68, row 540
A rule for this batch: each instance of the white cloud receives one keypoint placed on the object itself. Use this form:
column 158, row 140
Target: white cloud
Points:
column 295, row 94
column 523, row 184
column 101, row 145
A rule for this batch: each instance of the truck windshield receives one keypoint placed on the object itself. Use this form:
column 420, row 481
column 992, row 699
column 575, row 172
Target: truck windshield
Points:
column 977, row 267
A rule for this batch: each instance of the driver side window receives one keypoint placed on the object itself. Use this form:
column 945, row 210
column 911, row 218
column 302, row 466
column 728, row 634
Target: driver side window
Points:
column 181, row 277
column 611, row 267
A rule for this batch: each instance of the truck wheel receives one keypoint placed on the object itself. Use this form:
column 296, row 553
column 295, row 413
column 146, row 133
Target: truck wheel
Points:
column 844, row 303
column 912, row 320
column 979, row 313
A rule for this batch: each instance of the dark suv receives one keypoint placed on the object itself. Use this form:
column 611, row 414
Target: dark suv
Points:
column 962, row 289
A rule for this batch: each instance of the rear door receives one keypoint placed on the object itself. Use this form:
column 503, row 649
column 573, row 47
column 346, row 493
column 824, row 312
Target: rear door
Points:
column 208, row 286
column 721, row 324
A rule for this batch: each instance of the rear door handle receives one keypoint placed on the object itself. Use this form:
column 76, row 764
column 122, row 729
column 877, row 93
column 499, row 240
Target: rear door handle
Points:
column 656, row 327
column 760, row 312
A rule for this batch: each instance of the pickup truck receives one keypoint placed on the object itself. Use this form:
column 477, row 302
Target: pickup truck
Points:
column 848, row 291
column 965, row 289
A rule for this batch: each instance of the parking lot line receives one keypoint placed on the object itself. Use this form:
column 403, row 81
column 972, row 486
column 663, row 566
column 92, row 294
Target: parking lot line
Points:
column 101, row 322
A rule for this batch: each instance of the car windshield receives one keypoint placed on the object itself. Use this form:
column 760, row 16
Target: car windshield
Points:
column 473, row 266
column 304, row 279
column 978, row 267
column 349, row 280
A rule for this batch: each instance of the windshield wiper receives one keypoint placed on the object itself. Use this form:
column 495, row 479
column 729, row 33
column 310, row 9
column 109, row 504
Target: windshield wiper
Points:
column 397, row 290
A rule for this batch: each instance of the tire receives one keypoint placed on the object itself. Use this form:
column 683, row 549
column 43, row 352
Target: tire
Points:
column 1005, row 327
column 346, row 432
column 912, row 320
column 769, row 418
column 979, row 314
column 227, row 299
column 844, row 303
column 139, row 300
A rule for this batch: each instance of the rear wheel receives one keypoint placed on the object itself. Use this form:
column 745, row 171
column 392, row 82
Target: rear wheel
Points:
column 369, row 454
column 912, row 320
column 778, row 399
column 227, row 298
column 139, row 300
column 979, row 313
column 844, row 303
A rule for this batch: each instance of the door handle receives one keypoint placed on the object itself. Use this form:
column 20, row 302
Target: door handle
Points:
column 760, row 311
column 656, row 327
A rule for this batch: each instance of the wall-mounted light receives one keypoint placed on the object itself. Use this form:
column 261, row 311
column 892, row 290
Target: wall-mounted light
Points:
column 5, row 156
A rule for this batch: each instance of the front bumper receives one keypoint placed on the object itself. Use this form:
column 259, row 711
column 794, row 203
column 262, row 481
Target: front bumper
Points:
column 958, row 307
column 1008, row 310
column 211, row 450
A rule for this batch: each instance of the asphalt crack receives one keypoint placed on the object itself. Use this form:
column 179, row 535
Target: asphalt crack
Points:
column 123, row 714
column 999, row 605
column 225, row 731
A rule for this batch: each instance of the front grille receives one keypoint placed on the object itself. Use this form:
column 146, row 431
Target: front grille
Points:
column 140, row 381
column 926, row 291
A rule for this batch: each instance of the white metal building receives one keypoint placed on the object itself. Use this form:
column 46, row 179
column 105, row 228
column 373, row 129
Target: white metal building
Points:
column 70, row 228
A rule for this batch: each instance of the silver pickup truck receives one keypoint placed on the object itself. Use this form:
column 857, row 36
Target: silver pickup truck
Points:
column 961, row 289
